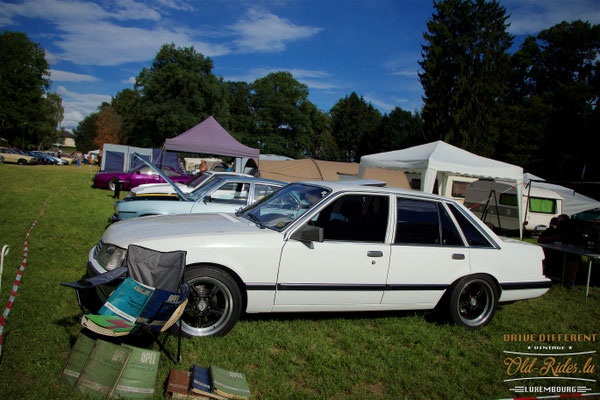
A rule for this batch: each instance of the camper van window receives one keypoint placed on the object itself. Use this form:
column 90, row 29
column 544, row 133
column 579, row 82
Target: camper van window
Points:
column 474, row 237
column 459, row 189
column 508, row 199
column 541, row 205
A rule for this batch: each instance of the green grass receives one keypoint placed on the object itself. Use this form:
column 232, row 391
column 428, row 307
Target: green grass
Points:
column 285, row 356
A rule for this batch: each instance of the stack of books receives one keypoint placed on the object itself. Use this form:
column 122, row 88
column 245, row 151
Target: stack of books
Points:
column 211, row 383
column 101, row 369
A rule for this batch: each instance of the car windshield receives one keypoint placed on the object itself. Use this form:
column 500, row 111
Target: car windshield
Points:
column 197, row 180
column 205, row 189
column 283, row 207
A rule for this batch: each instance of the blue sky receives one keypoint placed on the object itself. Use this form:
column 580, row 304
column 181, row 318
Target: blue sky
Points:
column 371, row 47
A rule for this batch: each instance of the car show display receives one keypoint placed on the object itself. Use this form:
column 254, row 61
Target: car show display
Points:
column 335, row 246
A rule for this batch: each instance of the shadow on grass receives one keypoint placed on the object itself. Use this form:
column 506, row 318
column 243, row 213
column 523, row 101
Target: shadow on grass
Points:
column 430, row 316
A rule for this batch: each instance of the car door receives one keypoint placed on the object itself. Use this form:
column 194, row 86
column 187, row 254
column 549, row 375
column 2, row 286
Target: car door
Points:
column 427, row 254
column 349, row 268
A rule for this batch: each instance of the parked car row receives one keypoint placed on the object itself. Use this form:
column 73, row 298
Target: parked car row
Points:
column 320, row 246
column 33, row 157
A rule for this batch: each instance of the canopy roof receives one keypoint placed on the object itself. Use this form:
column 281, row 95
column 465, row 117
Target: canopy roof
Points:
column 209, row 137
column 439, row 159
column 439, row 156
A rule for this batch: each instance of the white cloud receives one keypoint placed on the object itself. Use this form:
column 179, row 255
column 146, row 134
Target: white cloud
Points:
column 78, row 105
column 314, row 79
column 89, row 35
column 118, row 45
column 130, row 81
column 407, row 72
column 379, row 103
column 175, row 5
column 532, row 16
column 64, row 76
column 262, row 31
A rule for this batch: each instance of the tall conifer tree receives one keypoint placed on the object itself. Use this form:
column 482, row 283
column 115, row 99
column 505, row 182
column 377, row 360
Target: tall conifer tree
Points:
column 465, row 65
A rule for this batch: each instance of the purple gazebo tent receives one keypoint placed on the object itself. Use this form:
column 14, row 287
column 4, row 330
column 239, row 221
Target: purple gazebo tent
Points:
column 209, row 137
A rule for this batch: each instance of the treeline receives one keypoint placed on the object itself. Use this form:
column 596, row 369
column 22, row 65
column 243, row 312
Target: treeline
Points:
column 273, row 113
column 535, row 106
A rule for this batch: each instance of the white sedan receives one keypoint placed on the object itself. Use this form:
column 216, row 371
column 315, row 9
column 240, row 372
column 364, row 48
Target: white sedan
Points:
column 332, row 246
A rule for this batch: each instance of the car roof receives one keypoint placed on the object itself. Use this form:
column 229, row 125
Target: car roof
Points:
column 367, row 187
column 249, row 179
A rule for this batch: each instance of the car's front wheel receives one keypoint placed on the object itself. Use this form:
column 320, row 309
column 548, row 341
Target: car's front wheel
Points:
column 473, row 301
column 215, row 302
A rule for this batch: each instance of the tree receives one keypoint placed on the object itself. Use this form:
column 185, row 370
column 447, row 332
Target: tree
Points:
column 85, row 133
column 49, row 118
column 241, row 118
column 551, row 122
column 24, row 79
column 127, row 103
column 108, row 125
column 398, row 129
column 354, row 123
column 465, row 67
column 282, row 123
column 177, row 92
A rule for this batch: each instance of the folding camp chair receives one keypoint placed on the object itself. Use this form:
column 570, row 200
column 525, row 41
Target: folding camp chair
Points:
column 160, row 274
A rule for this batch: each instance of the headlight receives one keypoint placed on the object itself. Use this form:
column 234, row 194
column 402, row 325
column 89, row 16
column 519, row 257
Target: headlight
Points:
column 111, row 256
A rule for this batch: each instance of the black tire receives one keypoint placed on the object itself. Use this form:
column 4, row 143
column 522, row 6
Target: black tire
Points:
column 473, row 301
column 112, row 184
column 22, row 162
column 214, row 305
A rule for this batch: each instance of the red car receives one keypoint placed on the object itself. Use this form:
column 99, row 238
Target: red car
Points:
column 129, row 180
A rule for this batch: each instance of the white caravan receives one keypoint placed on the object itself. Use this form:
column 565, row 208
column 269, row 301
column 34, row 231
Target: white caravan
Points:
column 495, row 203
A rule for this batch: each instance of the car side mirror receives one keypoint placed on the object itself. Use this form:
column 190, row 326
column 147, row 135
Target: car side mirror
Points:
column 207, row 199
column 309, row 233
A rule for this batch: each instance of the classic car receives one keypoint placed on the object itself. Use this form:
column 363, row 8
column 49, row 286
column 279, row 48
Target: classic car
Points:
column 13, row 156
column 335, row 246
column 144, row 174
column 223, row 194
column 186, row 187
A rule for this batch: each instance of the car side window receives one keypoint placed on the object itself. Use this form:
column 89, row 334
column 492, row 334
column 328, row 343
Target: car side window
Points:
column 450, row 233
column 262, row 190
column 417, row 222
column 474, row 237
column 353, row 217
column 231, row 193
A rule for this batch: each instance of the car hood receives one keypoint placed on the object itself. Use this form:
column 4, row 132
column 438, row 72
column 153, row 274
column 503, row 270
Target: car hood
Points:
column 143, row 229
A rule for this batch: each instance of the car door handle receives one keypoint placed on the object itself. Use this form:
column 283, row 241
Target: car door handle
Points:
column 457, row 256
column 374, row 253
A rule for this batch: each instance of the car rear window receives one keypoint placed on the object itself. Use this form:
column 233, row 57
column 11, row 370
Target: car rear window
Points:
column 474, row 237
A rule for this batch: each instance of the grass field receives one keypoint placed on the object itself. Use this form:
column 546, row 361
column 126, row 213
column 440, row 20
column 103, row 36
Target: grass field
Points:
column 295, row 356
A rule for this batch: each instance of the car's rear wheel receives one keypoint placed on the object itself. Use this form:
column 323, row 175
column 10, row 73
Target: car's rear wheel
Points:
column 215, row 302
column 473, row 301
column 22, row 162
column 112, row 184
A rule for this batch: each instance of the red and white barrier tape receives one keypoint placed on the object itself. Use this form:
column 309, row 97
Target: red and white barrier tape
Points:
column 15, row 288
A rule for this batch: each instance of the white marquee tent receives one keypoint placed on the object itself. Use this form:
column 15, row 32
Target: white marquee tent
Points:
column 438, row 160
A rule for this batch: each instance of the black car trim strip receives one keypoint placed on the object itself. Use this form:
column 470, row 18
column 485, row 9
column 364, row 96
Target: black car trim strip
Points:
column 260, row 287
column 526, row 285
column 356, row 287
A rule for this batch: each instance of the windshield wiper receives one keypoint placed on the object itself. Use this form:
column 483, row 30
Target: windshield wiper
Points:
column 256, row 220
